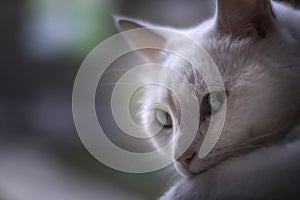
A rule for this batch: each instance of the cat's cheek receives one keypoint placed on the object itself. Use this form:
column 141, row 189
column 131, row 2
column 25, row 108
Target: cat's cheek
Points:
column 184, row 190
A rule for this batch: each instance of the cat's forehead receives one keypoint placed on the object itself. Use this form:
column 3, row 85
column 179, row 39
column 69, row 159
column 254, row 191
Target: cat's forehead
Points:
column 223, row 55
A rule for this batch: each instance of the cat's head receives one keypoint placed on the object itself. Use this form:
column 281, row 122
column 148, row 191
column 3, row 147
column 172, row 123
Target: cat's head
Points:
column 256, row 59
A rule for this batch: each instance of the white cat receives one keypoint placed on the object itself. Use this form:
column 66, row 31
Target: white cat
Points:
column 256, row 47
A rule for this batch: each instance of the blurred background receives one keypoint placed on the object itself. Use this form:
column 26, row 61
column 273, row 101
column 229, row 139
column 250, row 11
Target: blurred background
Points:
column 43, row 43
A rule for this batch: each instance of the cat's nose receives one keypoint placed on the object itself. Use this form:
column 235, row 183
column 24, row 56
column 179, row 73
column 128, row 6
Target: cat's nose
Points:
column 186, row 159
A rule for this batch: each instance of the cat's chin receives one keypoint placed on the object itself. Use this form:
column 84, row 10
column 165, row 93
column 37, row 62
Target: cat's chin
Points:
column 183, row 171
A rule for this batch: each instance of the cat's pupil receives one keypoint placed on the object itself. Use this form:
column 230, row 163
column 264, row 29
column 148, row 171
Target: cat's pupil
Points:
column 215, row 101
column 163, row 118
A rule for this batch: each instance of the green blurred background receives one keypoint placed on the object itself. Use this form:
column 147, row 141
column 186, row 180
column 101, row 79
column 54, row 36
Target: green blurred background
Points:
column 43, row 43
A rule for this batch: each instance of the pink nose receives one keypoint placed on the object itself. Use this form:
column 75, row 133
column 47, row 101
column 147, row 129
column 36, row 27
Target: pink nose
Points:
column 186, row 159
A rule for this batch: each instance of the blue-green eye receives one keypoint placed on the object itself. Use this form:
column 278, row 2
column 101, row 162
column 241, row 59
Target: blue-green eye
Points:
column 163, row 118
column 215, row 101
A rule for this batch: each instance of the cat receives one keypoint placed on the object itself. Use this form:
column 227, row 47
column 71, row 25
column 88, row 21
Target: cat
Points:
column 255, row 45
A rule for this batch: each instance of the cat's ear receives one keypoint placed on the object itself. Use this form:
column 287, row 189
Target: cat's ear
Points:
column 244, row 18
column 143, row 37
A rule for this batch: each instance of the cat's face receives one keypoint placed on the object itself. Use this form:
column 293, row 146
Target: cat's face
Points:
column 260, row 93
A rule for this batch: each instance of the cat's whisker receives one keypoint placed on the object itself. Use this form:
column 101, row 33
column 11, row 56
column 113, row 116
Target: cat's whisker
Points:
column 114, row 83
column 116, row 70
column 251, row 142
column 238, row 148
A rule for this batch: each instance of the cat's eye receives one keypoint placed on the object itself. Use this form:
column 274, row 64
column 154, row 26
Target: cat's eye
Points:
column 163, row 118
column 215, row 101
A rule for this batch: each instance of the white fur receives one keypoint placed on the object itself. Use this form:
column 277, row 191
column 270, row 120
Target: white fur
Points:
column 271, row 71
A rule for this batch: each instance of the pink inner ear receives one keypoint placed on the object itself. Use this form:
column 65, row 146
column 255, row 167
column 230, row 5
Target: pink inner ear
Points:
column 244, row 18
column 128, row 25
column 153, row 55
column 141, row 38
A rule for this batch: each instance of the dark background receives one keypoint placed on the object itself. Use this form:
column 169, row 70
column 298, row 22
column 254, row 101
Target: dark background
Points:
column 42, row 46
